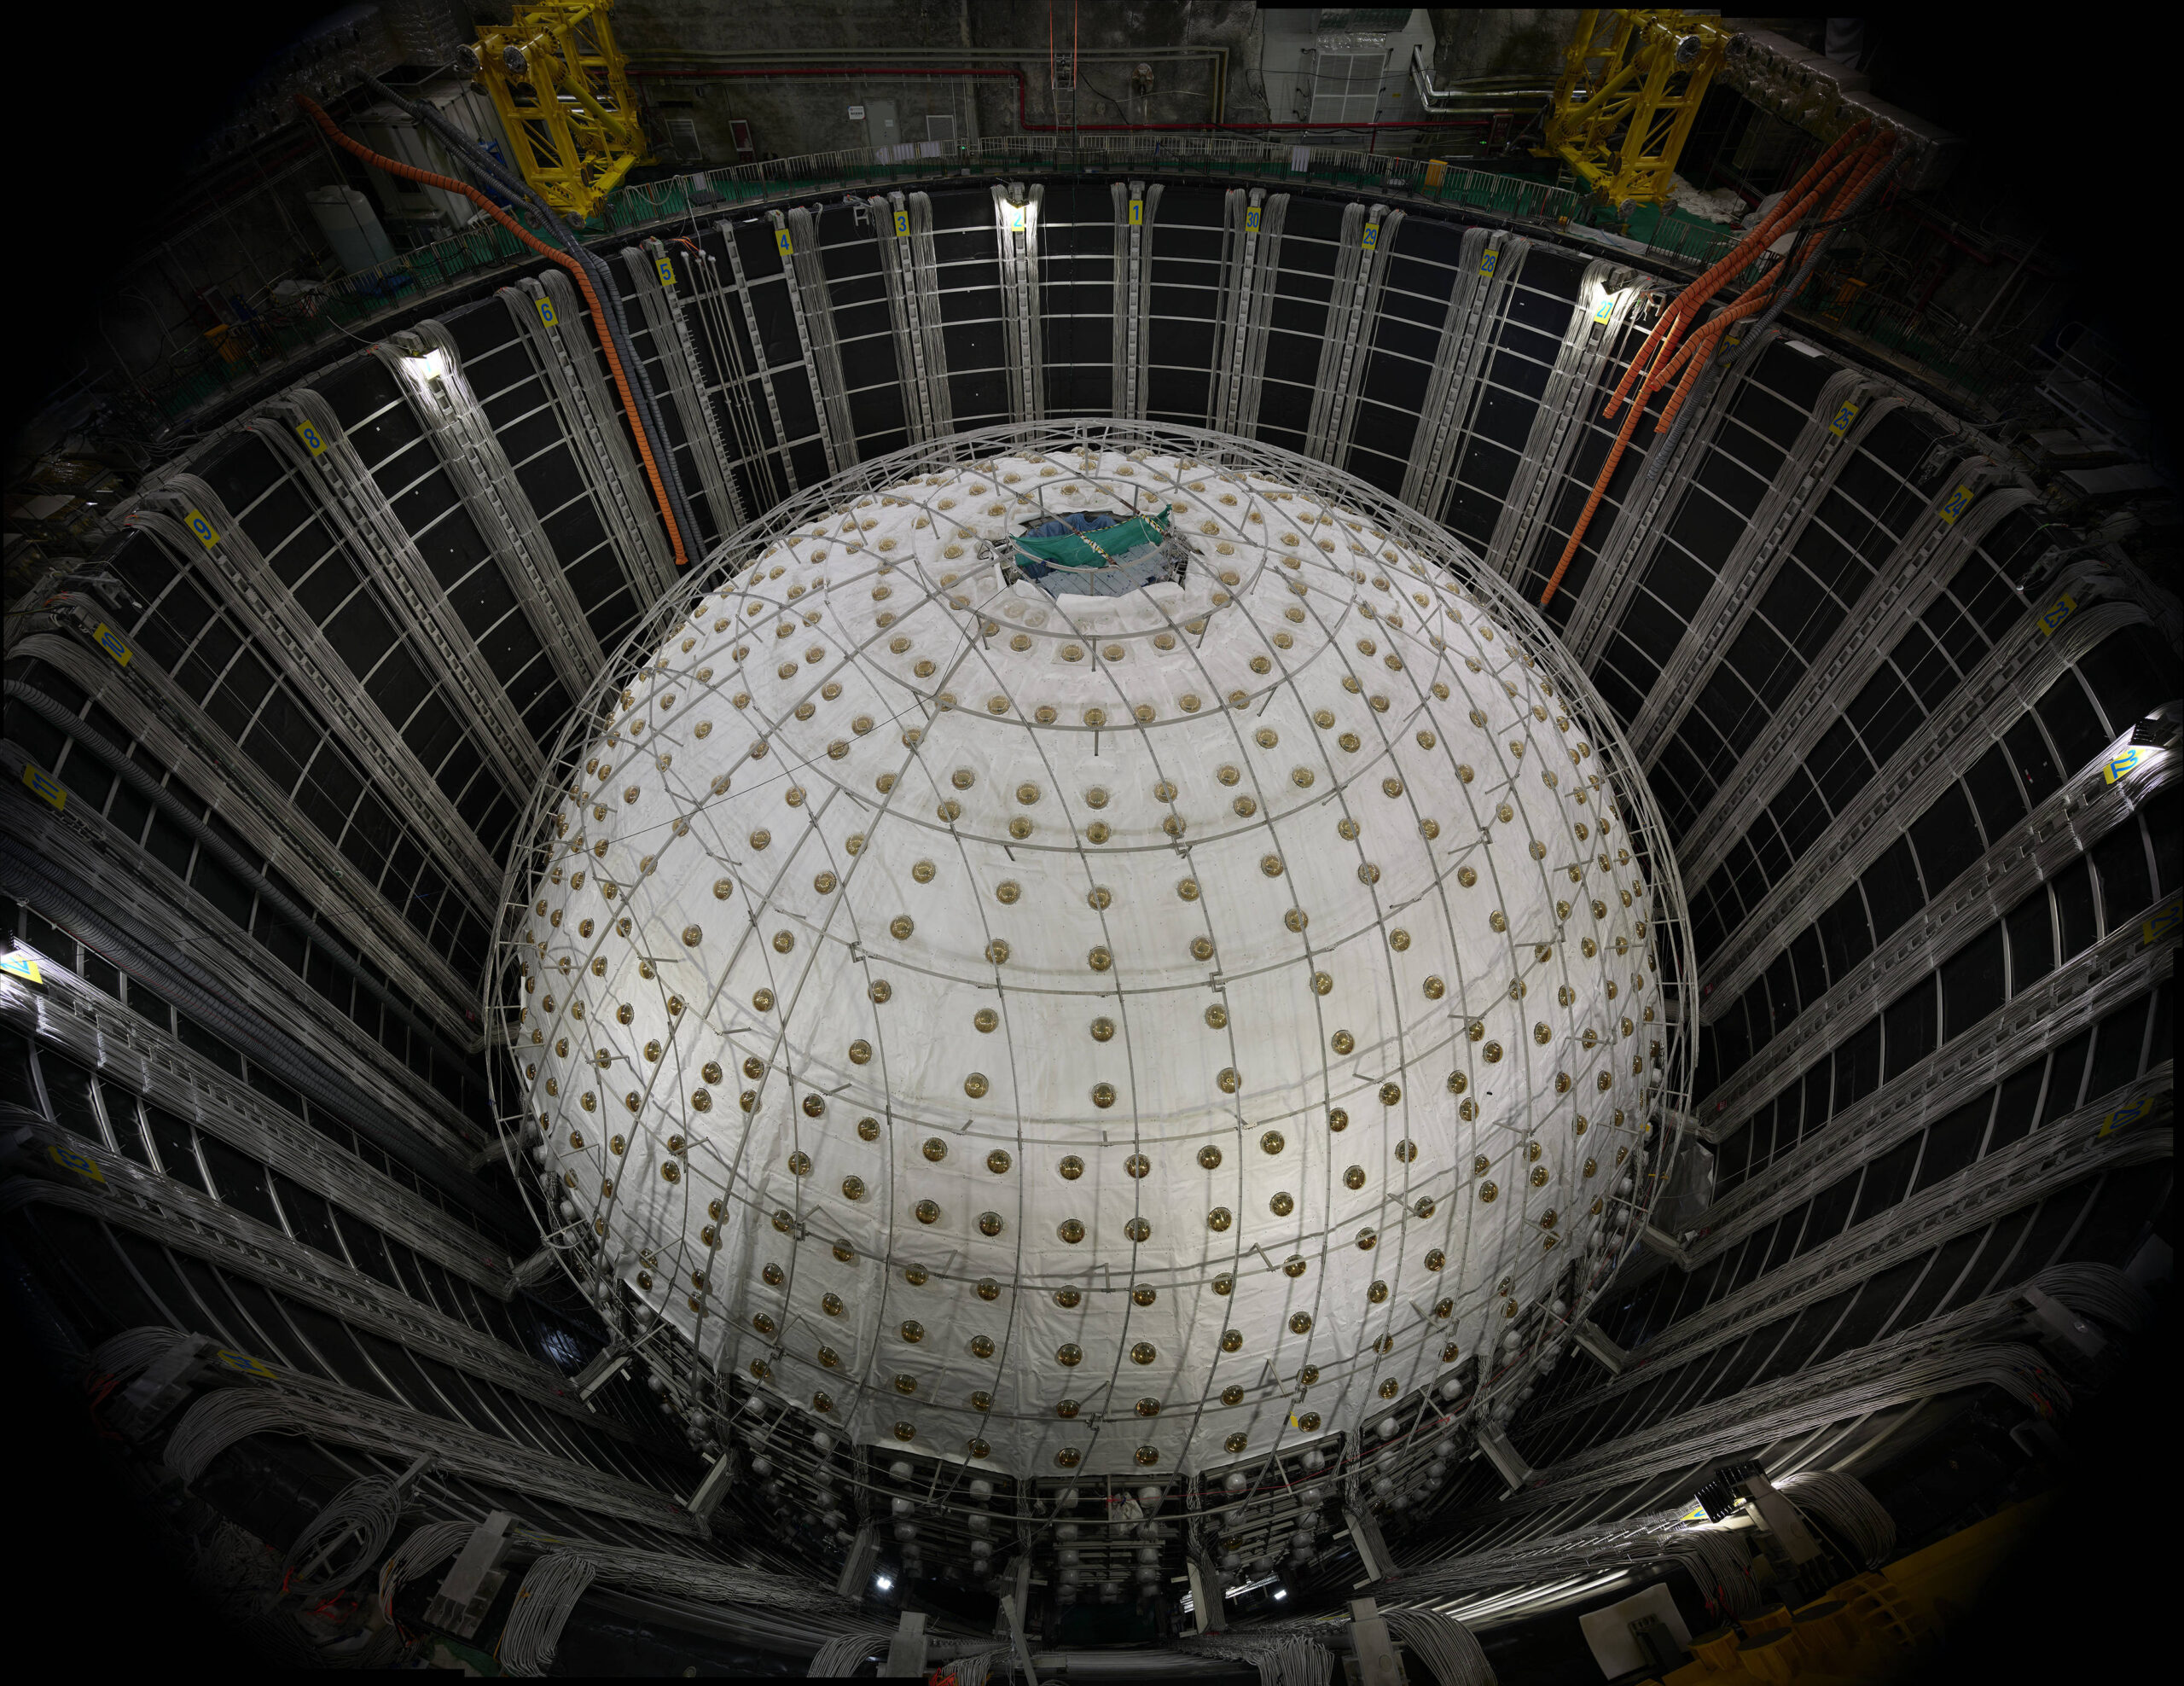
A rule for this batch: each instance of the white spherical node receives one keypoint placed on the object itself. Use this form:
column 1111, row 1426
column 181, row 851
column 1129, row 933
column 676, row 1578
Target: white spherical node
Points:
column 944, row 993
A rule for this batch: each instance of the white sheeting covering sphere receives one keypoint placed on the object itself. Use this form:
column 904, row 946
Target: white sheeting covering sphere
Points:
column 1088, row 1033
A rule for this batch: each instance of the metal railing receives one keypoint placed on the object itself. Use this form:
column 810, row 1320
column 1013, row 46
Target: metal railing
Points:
column 262, row 346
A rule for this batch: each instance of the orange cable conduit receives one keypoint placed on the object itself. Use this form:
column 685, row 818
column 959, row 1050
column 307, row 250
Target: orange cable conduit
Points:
column 409, row 173
column 1662, row 358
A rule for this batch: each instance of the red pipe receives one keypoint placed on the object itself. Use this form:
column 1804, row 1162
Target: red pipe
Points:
column 1023, row 117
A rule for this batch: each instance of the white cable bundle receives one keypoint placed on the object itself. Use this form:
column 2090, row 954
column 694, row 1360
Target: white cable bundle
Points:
column 2099, row 1290
column 1448, row 1648
column 129, row 1354
column 1716, row 1560
column 845, row 1651
column 1847, row 1510
column 971, row 1671
column 689, row 1577
column 1289, row 1658
column 425, row 1547
column 368, row 1510
column 543, row 1603
column 1720, row 1566
column 217, row 1420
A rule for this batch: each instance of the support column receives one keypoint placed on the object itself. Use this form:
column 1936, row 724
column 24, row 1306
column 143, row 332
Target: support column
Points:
column 1590, row 1338
column 302, row 431
column 2012, row 676
column 2070, row 1150
column 1016, row 228
column 725, row 229
column 170, row 732
column 470, row 449
column 1914, row 574
column 905, row 1659
column 1577, row 386
column 813, row 306
column 904, row 228
column 1848, row 408
column 1488, row 259
column 1847, row 1006
column 1252, row 259
column 1136, row 206
column 1508, row 1462
column 548, row 311
column 659, row 295
column 1376, row 1651
column 185, row 512
column 1351, row 317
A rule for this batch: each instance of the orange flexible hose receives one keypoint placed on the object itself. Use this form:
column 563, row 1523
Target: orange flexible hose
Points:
column 1592, row 503
column 1701, row 347
column 1666, row 351
column 1674, row 320
column 410, row 172
column 1685, row 310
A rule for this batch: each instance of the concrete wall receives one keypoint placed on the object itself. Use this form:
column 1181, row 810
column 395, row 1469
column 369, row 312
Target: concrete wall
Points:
column 1474, row 43
column 793, row 115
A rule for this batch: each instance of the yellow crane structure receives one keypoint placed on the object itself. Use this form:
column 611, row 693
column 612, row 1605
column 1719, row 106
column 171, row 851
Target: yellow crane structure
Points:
column 561, row 88
column 1631, row 86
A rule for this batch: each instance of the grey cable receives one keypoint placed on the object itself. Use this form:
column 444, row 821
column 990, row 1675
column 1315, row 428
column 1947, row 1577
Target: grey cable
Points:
column 75, row 726
column 128, row 1355
column 1754, row 335
column 30, row 878
column 1847, row 1511
column 550, row 1592
column 1291, row 1656
column 1714, row 1558
column 367, row 1511
column 463, row 148
column 1828, row 231
column 425, row 1547
column 974, row 1670
column 1449, row 1650
column 843, row 1653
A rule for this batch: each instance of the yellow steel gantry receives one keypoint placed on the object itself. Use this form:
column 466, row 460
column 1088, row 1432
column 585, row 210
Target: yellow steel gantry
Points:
column 562, row 90
column 1631, row 85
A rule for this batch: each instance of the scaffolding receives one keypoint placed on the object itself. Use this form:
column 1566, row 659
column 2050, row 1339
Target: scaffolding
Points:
column 561, row 88
column 1631, row 85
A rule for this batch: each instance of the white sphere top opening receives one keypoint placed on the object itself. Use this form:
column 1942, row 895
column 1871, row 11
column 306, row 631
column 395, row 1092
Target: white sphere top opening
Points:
column 1095, row 1033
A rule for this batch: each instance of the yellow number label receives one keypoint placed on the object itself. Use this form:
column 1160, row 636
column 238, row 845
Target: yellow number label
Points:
column 70, row 1158
column 45, row 785
column 112, row 643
